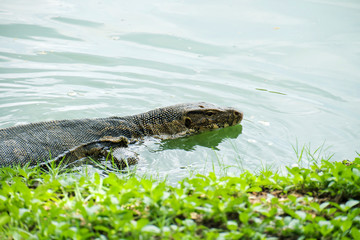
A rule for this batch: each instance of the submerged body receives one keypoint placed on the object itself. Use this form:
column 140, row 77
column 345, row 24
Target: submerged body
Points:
column 37, row 143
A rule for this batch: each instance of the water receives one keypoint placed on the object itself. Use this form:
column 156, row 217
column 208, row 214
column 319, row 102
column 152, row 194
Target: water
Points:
column 292, row 67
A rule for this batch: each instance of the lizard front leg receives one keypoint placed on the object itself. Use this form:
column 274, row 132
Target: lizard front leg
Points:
column 92, row 149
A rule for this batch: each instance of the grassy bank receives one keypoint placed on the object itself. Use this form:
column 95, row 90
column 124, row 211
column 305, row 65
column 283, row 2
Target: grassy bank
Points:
column 320, row 202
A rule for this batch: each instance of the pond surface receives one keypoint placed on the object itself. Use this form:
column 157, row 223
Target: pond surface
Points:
column 292, row 67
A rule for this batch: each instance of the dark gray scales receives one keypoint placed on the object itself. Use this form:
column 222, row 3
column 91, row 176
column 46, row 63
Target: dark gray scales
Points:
column 42, row 142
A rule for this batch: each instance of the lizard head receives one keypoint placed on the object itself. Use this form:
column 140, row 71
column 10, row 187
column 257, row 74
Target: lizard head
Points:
column 200, row 117
column 184, row 119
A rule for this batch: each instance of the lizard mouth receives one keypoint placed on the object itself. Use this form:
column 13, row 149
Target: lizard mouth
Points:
column 234, row 118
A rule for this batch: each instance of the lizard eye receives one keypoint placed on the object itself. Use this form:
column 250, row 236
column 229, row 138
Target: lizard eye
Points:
column 209, row 113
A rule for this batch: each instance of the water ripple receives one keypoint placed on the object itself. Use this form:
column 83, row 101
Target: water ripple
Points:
column 30, row 31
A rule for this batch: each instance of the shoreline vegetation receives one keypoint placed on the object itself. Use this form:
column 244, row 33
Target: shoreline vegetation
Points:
column 321, row 201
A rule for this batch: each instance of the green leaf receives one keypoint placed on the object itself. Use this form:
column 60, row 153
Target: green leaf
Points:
column 4, row 219
column 97, row 178
column 315, row 206
column 189, row 223
column 292, row 198
column 324, row 223
column 244, row 217
column 232, row 225
column 274, row 200
column 151, row 229
column 325, row 227
column 301, row 214
column 147, row 184
column 273, row 211
column 346, row 225
column 355, row 233
column 288, row 211
column 101, row 228
column 212, row 176
column 349, row 204
column 141, row 223
column 254, row 189
column 356, row 172
column 324, row 205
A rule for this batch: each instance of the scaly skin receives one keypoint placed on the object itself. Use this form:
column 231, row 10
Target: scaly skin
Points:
column 37, row 143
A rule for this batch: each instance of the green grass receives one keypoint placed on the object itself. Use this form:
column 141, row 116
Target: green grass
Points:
column 318, row 202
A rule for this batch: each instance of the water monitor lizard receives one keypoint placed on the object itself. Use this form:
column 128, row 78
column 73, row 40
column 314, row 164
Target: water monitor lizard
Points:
column 44, row 142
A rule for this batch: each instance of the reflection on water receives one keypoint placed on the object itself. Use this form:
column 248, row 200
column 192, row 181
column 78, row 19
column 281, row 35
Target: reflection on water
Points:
column 292, row 68
column 207, row 139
